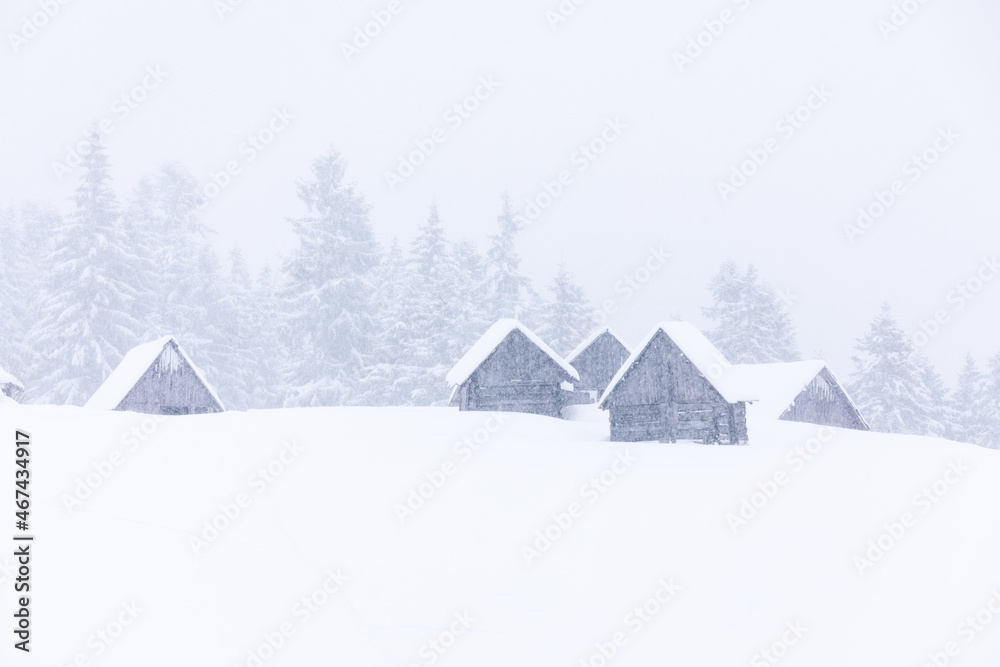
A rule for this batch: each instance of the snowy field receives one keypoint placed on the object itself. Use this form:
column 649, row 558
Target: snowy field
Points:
column 323, row 552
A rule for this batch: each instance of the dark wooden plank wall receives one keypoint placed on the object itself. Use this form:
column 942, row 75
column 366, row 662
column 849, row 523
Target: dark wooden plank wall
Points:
column 824, row 402
column 598, row 364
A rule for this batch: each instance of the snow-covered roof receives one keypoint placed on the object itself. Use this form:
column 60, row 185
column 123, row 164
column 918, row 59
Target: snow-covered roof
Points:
column 489, row 342
column 590, row 341
column 132, row 367
column 699, row 350
column 7, row 378
column 773, row 387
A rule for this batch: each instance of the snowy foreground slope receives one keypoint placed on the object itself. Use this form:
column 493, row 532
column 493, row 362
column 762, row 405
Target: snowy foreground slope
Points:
column 451, row 585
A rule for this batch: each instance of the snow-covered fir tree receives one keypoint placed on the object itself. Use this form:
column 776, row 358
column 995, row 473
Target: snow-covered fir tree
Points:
column 233, row 346
column 991, row 404
column 888, row 382
column 508, row 292
column 26, row 245
column 473, row 319
column 751, row 324
column 269, row 333
column 13, row 304
column 569, row 318
column 92, row 310
column 934, row 397
column 391, row 379
column 165, row 226
column 969, row 405
column 329, row 288
column 433, row 299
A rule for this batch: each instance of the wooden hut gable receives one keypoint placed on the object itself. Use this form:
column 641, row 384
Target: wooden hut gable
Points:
column 157, row 378
column 824, row 401
column 675, row 363
column 516, row 359
column 509, row 352
column 598, row 358
column 803, row 391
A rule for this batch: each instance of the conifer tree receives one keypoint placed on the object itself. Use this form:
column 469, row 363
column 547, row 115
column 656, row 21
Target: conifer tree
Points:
column 329, row 288
column 969, row 405
column 888, row 383
column 569, row 319
column 390, row 378
column 991, row 401
column 751, row 324
column 508, row 290
column 92, row 307
column 473, row 319
column 433, row 299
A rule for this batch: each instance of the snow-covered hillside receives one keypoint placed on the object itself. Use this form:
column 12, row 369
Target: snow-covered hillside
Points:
column 329, row 553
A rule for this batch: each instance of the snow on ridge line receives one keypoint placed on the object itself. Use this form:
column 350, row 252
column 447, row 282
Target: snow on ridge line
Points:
column 489, row 342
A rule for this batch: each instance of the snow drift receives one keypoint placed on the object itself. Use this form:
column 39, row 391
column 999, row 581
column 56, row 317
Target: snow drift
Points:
column 418, row 536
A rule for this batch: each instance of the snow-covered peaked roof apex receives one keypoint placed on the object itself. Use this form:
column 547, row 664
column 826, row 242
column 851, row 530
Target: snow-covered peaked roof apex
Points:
column 590, row 340
column 489, row 342
column 773, row 386
column 132, row 367
column 699, row 350
column 7, row 378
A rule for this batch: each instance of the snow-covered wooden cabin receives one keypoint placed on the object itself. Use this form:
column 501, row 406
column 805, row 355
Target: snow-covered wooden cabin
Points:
column 799, row 391
column 597, row 359
column 10, row 386
column 157, row 378
column 673, row 387
column 510, row 369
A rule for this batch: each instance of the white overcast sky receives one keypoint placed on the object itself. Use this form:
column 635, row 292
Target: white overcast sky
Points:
column 656, row 185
